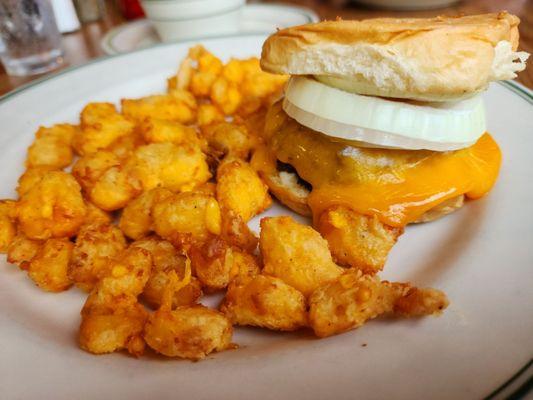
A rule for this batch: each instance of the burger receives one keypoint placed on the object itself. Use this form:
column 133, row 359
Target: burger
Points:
column 382, row 123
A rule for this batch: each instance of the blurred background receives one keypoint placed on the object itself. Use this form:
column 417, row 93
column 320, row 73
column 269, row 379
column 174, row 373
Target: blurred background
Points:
column 38, row 37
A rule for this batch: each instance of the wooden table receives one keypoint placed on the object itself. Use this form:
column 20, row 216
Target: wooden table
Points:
column 84, row 44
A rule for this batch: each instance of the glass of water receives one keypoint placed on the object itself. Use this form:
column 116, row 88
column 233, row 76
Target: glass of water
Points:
column 30, row 42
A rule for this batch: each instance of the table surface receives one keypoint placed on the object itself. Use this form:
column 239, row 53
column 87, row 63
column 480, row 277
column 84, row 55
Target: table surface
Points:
column 84, row 45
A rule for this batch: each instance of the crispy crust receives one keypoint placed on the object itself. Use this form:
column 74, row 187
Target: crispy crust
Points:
column 438, row 58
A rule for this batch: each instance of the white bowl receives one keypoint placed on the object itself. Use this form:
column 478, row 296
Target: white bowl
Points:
column 184, row 19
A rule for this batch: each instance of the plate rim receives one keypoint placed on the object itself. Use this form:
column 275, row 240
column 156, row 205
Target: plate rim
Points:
column 109, row 49
column 519, row 384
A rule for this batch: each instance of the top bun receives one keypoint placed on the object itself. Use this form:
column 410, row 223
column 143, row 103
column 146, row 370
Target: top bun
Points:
column 429, row 59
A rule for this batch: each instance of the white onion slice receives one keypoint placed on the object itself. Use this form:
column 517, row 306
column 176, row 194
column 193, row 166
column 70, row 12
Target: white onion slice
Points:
column 380, row 122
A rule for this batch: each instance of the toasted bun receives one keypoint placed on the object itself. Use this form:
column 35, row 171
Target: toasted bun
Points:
column 432, row 59
column 285, row 187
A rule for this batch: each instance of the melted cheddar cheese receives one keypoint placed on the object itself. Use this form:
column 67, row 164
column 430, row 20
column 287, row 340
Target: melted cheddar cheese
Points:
column 397, row 186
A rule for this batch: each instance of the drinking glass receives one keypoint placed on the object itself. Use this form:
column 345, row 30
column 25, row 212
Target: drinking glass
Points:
column 30, row 41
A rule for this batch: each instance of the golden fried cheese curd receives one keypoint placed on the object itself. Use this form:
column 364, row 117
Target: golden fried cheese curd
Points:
column 356, row 240
column 166, row 260
column 114, row 189
column 354, row 298
column 52, row 147
column 101, row 125
column 49, row 267
column 187, row 218
column 22, row 250
column 136, row 219
column 96, row 244
column 265, row 301
column 216, row 263
column 54, row 207
column 175, row 167
column 89, row 168
column 240, row 189
column 296, row 253
column 178, row 106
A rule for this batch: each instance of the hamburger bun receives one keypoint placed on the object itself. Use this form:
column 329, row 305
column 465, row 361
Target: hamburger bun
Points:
column 434, row 59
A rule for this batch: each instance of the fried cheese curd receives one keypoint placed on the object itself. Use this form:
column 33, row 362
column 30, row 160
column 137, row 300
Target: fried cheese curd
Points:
column 136, row 220
column 177, row 106
column 229, row 139
column 216, row 263
column 101, row 125
column 53, row 207
column 112, row 319
column 240, row 189
column 52, row 147
column 166, row 260
column 265, row 301
column 356, row 240
column 22, row 250
column 49, row 267
column 8, row 229
column 96, row 244
column 175, row 167
column 186, row 332
column 187, row 218
column 354, row 298
column 296, row 254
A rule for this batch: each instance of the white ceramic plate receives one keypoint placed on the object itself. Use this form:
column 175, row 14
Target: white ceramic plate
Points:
column 481, row 256
column 256, row 18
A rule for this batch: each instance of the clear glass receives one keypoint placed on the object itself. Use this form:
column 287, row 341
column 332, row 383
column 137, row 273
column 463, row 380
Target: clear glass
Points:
column 31, row 42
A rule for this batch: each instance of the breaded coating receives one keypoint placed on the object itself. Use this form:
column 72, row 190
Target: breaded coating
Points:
column 156, row 130
column 22, row 250
column 97, row 243
column 8, row 229
column 416, row 302
column 166, row 259
column 89, row 168
column 175, row 167
column 216, row 263
column 110, row 324
column 101, row 125
column 124, row 146
column 355, row 298
column 225, row 95
column 49, row 268
column 177, row 106
column 225, row 138
column 265, row 301
column 95, row 215
column 127, row 272
column 112, row 319
column 208, row 114
column 187, row 218
column 114, row 189
column 207, row 71
column 186, row 332
column 296, row 253
column 136, row 219
column 31, row 177
column 53, row 207
column 356, row 240
column 240, row 189
column 52, row 147
column 236, row 232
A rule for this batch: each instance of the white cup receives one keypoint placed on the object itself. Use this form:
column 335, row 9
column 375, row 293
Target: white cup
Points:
column 184, row 19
